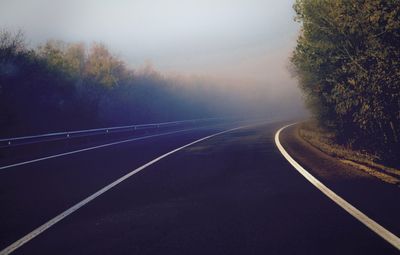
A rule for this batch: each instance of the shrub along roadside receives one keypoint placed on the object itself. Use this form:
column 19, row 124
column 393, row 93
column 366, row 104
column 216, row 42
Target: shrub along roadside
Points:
column 67, row 86
column 347, row 59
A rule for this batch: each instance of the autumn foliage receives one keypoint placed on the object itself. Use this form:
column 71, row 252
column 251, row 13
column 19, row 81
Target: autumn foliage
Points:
column 348, row 62
column 62, row 86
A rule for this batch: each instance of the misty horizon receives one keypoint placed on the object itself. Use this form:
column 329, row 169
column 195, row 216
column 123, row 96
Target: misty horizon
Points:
column 244, row 43
column 200, row 58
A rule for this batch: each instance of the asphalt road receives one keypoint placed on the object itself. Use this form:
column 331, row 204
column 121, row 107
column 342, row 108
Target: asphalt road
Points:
column 231, row 194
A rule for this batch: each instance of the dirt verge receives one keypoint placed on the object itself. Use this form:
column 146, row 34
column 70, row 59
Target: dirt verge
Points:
column 315, row 150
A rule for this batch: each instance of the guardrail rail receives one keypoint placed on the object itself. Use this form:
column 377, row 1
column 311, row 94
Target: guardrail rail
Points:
column 14, row 141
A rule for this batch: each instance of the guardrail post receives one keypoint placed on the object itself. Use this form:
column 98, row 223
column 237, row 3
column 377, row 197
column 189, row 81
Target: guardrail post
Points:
column 9, row 142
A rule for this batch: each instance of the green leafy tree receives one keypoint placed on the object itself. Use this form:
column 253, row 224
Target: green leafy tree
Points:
column 348, row 63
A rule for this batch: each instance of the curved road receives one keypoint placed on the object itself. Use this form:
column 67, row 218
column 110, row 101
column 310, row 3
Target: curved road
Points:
column 231, row 194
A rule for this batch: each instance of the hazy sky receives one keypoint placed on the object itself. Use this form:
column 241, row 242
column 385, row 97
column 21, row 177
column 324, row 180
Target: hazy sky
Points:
column 242, row 41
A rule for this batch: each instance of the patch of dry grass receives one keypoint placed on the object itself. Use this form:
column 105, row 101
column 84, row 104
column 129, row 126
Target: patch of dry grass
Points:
column 325, row 142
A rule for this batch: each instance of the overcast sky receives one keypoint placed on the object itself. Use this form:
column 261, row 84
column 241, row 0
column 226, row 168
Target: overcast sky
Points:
column 246, row 42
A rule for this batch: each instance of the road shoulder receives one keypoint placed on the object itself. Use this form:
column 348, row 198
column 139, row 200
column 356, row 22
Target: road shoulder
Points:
column 377, row 199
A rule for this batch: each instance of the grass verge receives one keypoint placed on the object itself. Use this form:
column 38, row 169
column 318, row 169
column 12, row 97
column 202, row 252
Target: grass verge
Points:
column 325, row 142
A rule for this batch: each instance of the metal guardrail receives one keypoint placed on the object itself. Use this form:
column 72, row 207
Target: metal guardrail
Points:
column 6, row 142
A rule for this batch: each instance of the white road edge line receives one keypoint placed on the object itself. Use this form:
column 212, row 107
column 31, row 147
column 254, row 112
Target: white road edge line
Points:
column 93, row 148
column 364, row 219
column 77, row 206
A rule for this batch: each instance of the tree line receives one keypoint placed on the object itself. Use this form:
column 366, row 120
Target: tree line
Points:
column 66, row 86
column 347, row 59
